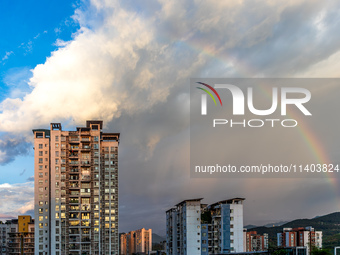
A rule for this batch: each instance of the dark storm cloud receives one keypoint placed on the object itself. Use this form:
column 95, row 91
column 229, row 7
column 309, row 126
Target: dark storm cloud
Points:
column 11, row 147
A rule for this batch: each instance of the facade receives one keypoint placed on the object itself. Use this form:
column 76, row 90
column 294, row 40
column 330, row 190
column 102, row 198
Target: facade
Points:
column 300, row 237
column 4, row 229
column 195, row 228
column 138, row 241
column 76, row 190
column 256, row 242
column 17, row 236
column 122, row 246
column 184, row 228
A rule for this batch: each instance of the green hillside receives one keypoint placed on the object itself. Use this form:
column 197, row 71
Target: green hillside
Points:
column 329, row 225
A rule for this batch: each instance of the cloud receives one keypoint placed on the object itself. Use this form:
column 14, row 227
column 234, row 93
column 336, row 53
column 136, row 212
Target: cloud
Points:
column 17, row 198
column 30, row 179
column 10, row 147
column 7, row 54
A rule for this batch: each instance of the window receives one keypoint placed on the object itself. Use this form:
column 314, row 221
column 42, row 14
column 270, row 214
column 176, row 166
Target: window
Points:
column 40, row 146
column 57, row 153
column 40, row 153
column 40, row 160
column 231, row 218
column 56, row 138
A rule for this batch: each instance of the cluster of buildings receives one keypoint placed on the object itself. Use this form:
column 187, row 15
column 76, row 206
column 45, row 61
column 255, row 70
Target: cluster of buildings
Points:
column 196, row 228
column 199, row 229
column 136, row 242
column 17, row 236
column 76, row 207
column 300, row 237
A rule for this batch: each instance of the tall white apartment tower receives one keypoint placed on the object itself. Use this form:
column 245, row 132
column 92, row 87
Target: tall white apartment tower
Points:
column 184, row 228
column 76, row 190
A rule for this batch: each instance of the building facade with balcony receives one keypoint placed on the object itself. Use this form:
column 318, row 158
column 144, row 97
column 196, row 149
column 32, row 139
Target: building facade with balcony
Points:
column 17, row 236
column 76, row 190
column 300, row 237
column 195, row 228
column 255, row 241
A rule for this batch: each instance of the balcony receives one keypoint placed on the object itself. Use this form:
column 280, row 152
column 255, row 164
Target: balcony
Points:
column 86, row 148
column 73, row 155
column 74, row 140
column 86, row 162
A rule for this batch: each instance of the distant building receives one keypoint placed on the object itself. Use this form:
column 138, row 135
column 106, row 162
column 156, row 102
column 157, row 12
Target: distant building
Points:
column 255, row 242
column 17, row 236
column 199, row 229
column 122, row 246
column 300, row 237
column 136, row 242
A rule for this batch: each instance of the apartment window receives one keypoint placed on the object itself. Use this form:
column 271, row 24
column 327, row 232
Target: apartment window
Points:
column 57, row 153
column 41, row 218
column 41, row 210
column 40, row 160
column 40, row 153
column 231, row 226
column 231, row 218
column 41, row 175
column 56, row 138
column 231, row 233
column 41, row 203
column 40, row 167
column 40, row 146
column 231, row 210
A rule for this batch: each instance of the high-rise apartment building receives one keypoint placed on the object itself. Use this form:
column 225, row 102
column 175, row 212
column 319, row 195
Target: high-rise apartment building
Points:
column 136, row 242
column 76, row 190
column 195, row 228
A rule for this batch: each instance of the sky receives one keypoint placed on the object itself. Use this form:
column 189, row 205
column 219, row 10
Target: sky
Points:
column 129, row 63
